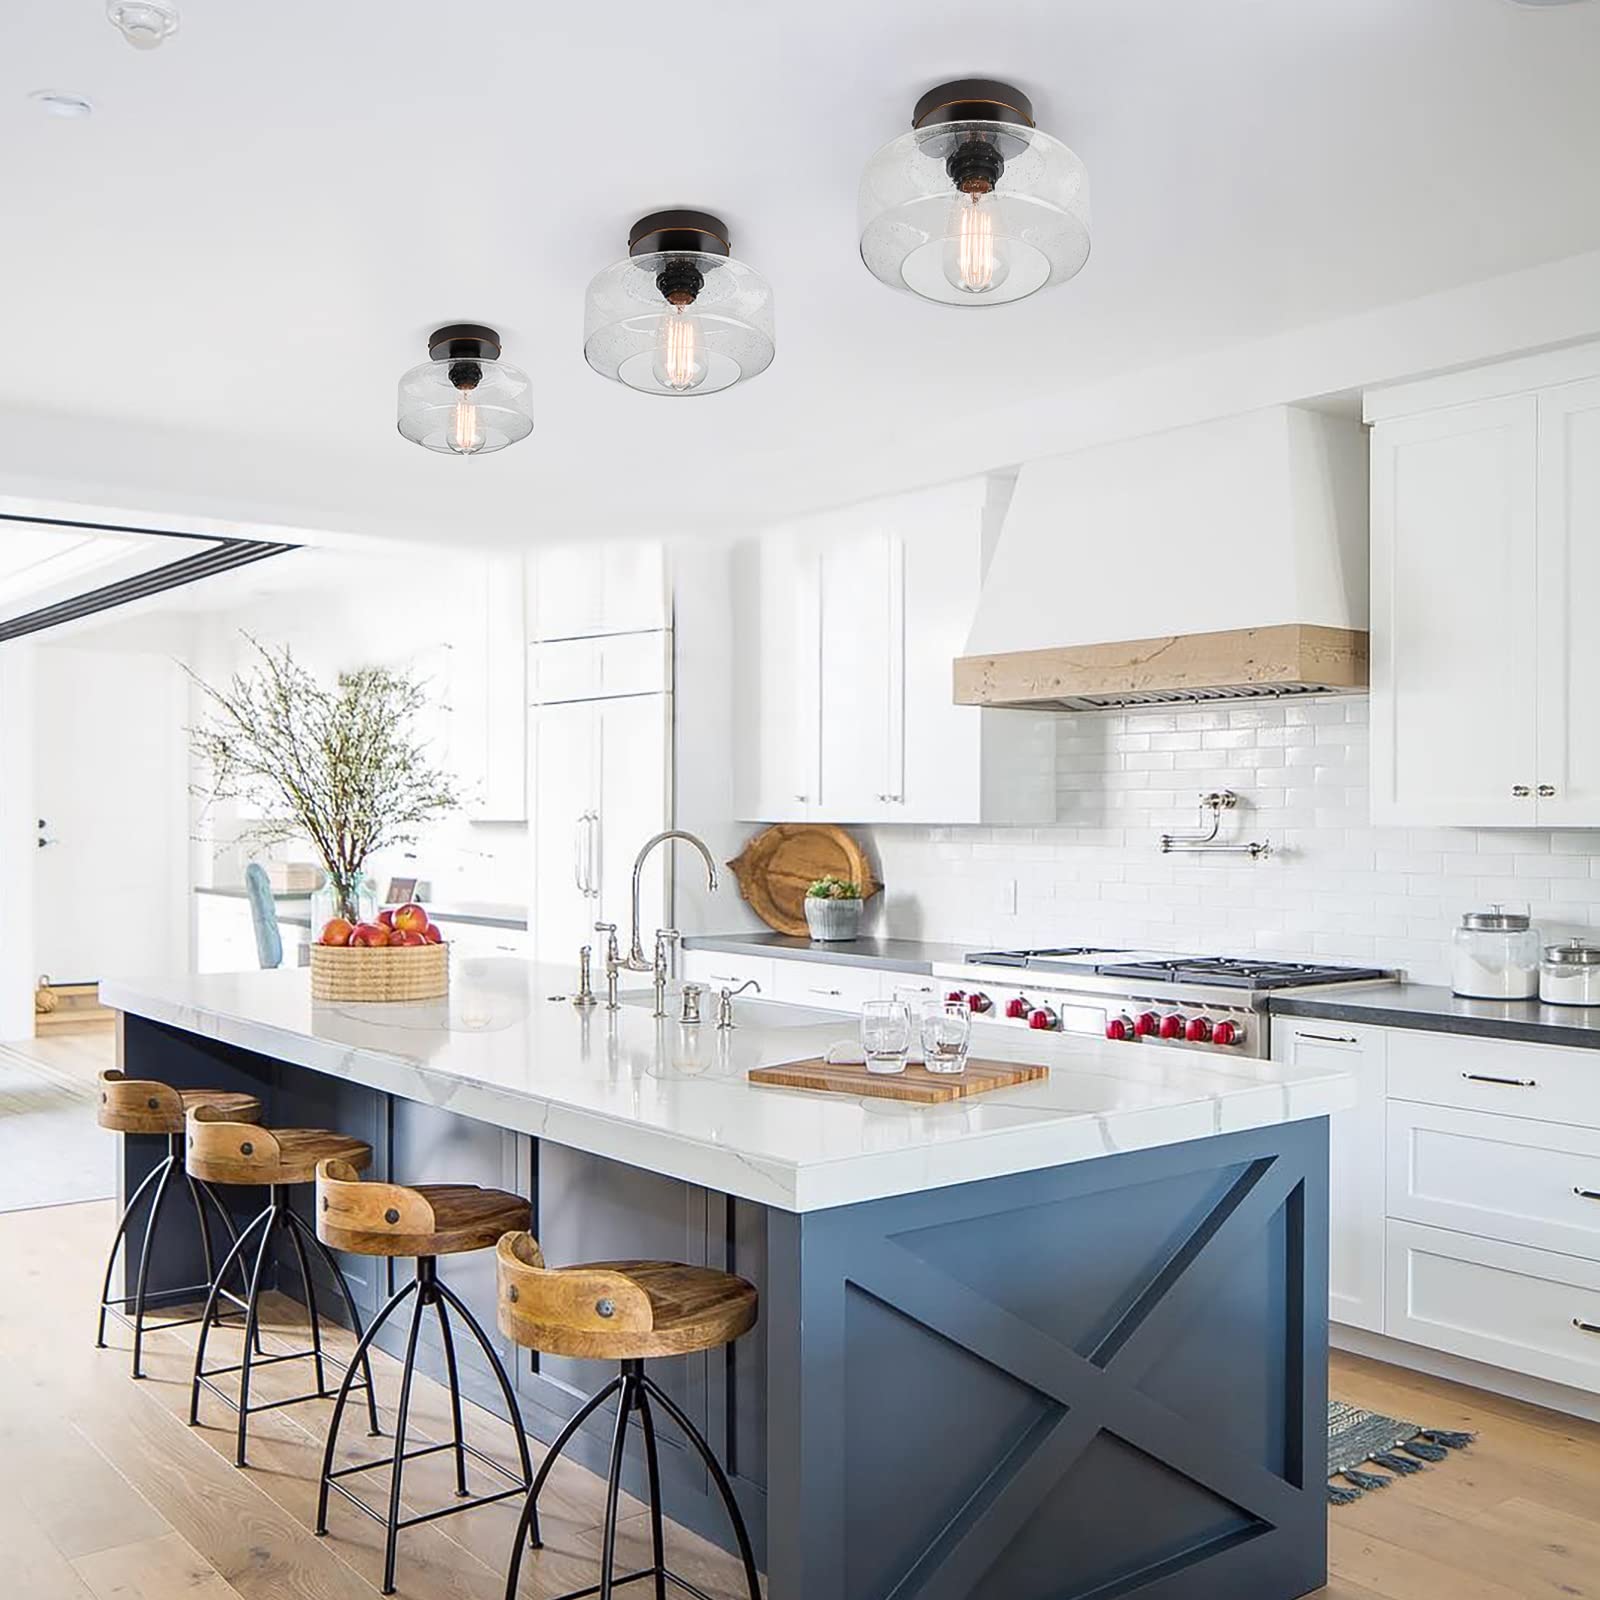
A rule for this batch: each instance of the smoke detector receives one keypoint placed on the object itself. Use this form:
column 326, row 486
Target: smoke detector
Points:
column 145, row 24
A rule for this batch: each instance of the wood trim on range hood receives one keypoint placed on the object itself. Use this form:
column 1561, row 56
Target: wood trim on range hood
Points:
column 1238, row 664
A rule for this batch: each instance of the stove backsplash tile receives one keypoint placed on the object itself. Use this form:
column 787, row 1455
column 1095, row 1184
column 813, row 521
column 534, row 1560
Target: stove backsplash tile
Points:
column 1337, row 890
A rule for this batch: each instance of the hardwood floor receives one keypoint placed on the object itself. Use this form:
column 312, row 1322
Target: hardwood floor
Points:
column 106, row 1494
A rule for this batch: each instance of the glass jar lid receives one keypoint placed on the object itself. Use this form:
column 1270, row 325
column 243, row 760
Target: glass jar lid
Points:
column 1497, row 920
column 1574, row 953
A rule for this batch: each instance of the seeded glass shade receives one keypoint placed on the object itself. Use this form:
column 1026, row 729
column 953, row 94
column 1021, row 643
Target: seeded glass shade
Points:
column 919, row 232
column 493, row 412
column 633, row 334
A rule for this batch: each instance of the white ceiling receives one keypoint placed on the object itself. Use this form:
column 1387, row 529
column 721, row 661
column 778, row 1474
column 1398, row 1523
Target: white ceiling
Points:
column 251, row 237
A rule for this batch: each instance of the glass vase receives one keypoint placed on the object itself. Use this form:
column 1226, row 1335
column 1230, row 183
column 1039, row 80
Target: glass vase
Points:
column 353, row 896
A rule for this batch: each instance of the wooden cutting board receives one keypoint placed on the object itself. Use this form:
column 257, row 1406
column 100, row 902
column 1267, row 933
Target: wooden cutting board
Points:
column 915, row 1084
column 777, row 867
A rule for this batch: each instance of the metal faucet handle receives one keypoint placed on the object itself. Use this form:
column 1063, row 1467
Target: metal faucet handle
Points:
column 605, row 927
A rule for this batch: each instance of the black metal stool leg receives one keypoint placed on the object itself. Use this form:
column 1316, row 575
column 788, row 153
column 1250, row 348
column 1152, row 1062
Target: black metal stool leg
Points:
column 252, row 1322
column 497, row 1367
column 393, row 1304
column 155, row 1175
column 146, row 1250
column 209, row 1194
column 619, row 1442
column 529, row 1522
column 658, row 1549
column 207, row 1318
column 718, row 1476
column 392, row 1528
column 295, row 1221
column 454, row 1379
column 311, row 1307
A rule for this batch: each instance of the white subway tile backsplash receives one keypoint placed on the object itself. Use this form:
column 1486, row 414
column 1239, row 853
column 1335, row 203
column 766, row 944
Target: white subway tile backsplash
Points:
column 1336, row 887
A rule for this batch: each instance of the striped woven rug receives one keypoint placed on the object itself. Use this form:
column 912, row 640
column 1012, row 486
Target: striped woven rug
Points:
column 1359, row 1440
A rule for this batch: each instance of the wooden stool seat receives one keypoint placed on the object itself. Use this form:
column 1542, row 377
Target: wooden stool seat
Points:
column 145, row 1105
column 428, row 1219
column 223, row 1150
column 618, row 1310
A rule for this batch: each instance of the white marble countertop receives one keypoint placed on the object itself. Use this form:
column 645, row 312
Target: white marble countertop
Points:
column 676, row 1100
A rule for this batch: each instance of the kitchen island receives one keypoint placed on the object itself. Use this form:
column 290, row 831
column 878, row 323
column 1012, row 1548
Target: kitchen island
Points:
column 1068, row 1338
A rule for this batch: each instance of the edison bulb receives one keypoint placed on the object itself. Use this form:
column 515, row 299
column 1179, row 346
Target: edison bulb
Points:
column 466, row 432
column 680, row 360
column 975, row 260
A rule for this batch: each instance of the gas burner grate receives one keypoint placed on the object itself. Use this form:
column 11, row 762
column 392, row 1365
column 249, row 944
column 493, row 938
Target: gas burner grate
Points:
column 1237, row 973
column 1021, row 958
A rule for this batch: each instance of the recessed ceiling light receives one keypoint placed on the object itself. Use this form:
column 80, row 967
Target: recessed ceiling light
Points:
column 143, row 23
column 57, row 104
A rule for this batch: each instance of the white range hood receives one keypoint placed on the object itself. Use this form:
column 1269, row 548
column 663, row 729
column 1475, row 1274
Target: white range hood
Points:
column 1219, row 561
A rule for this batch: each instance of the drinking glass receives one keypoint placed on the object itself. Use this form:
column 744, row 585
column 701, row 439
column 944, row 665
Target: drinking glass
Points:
column 946, row 1035
column 885, row 1034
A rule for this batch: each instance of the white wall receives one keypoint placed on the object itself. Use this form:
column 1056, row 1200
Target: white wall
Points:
column 18, row 833
column 1339, row 889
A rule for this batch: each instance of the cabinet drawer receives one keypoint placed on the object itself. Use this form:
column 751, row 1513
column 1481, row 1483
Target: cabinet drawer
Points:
column 820, row 983
column 1548, row 1082
column 1509, row 1178
column 1501, row 1303
column 719, row 970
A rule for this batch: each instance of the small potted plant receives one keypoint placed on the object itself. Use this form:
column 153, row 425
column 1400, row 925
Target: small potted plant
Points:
column 833, row 909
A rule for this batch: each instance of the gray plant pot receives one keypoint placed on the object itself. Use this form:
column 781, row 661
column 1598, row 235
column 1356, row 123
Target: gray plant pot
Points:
column 833, row 919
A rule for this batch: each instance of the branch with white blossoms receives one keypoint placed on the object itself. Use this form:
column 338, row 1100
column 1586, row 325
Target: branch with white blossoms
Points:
column 342, row 766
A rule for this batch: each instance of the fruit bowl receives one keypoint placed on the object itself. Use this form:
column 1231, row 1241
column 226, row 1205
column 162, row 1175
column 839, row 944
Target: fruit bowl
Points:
column 401, row 957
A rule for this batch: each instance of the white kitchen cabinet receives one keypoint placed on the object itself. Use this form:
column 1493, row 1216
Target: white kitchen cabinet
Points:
column 599, row 586
column 847, row 625
column 722, row 969
column 488, row 698
column 1485, row 570
column 601, row 781
column 826, row 985
column 1356, row 1210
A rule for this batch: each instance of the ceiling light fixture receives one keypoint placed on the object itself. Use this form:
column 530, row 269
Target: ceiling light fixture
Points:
column 55, row 103
column 680, row 315
column 464, row 400
column 975, row 206
column 145, row 24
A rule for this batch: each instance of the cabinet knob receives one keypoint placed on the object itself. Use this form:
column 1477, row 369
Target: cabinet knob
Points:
column 1546, row 790
column 1520, row 791
column 800, row 797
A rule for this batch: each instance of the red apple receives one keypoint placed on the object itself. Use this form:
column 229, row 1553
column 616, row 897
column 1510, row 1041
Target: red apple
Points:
column 387, row 917
column 406, row 936
column 411, row 918
column 336, row 930
column 372, row 935
column 431, row 935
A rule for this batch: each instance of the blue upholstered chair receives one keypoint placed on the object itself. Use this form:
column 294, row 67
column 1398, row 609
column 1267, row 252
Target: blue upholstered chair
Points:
column 263, row 915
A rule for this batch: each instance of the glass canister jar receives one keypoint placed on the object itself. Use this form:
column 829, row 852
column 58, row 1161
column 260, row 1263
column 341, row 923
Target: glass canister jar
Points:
column 1495, row 956
column 1569, row 974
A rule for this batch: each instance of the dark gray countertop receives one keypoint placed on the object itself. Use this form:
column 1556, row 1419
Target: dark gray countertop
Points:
column 899, row 955
column 1421, row 1005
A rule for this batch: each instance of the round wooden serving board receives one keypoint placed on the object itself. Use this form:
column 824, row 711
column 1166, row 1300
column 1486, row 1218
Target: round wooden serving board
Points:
column 777, row 867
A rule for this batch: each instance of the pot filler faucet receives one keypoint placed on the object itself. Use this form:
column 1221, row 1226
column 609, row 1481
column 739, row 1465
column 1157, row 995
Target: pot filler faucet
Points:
column 637, row 961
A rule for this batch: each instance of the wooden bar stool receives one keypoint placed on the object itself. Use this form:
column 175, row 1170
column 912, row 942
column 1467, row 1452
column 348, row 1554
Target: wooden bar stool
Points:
column 429, row 1221
column 625, row 1311
column 143, row 1105
column 223, row 1150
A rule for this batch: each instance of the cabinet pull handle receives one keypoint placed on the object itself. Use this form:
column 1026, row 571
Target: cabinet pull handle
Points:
column 834, row 992
column 1585, row 1194
column 1546, row 790
column 1585, row 1327
column 1520, row 791
column 1510, row 1083
column 1328, row 1038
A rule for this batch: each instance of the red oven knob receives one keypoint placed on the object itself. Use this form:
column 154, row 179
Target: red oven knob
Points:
column 1043, row 1017
column 1198, row 1031
column 1018, row 1006
column 979, row 1002
column 1145, row 1023
column 1171, row 1027
column 1228, row 1033
column 956, row 997
column 1120, row 1028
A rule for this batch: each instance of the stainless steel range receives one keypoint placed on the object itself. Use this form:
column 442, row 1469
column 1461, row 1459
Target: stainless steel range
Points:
column 1139, row 997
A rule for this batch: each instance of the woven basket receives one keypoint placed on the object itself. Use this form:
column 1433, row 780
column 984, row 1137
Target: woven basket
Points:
column 394, row 972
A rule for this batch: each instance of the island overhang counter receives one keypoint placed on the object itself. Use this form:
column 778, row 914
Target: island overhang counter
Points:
column 1064, row 1339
